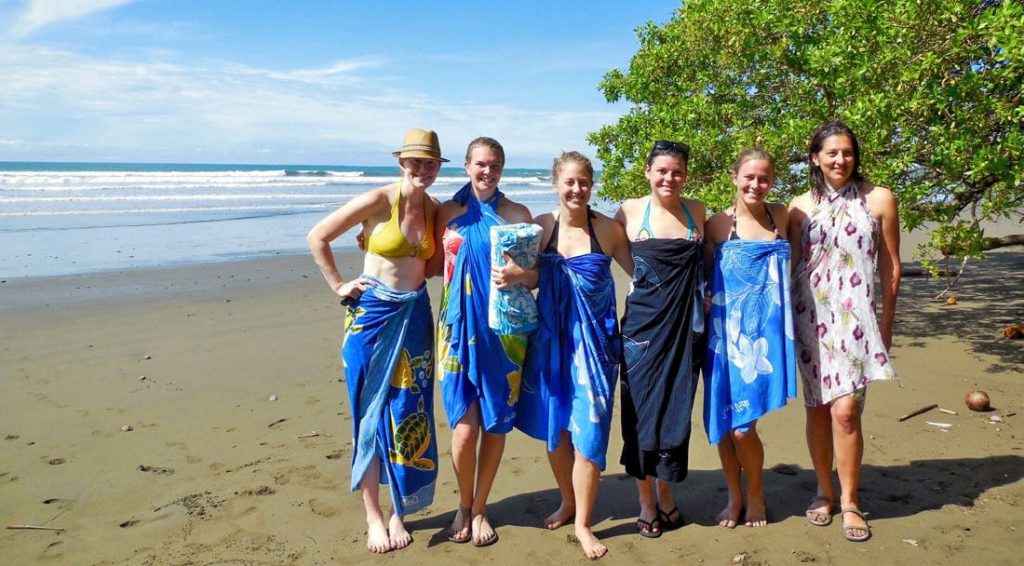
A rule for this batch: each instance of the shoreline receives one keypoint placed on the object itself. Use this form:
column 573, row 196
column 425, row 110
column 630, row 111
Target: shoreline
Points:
column 214, row 471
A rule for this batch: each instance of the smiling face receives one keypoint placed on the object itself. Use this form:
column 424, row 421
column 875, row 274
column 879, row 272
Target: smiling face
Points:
column 837, row 160
column 753, row 180
column 573, row 185
column 667, row 175
column 419, row 172
column 484, row 166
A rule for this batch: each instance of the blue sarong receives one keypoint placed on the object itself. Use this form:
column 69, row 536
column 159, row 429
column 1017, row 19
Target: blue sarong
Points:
column 475, row 363
column 389, row 376
column 572, row 363
column 514, row 310
column 751, row 365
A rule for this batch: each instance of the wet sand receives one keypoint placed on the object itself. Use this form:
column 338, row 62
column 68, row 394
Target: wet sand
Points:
column 213, row 471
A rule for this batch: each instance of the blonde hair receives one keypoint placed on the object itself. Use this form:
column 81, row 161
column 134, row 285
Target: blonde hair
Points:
column 490, row 143
column 571, row 157
column 750, row 154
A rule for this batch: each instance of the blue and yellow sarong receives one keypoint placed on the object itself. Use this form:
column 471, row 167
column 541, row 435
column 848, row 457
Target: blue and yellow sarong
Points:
column 389, row 375
column 475, row 363
column 572, row 366
column 751, row 364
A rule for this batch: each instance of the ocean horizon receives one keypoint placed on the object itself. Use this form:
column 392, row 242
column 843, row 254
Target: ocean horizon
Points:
column 65, row 218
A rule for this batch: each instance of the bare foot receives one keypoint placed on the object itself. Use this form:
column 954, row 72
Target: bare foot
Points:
column 591, row 546
column 399, row 536
column 483, row 533
column 756, row 515
column 460, row 531
column 731, row 514
column 377, row 539
column 561, row 517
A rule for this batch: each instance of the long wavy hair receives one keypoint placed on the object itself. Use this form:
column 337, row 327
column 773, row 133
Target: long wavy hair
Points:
column 819, row 188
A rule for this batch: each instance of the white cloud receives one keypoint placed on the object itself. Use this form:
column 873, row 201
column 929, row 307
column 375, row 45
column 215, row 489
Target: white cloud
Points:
column 41, row 13
column 57, row 105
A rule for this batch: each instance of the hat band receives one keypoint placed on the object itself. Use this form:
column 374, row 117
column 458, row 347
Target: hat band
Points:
column 421, row 147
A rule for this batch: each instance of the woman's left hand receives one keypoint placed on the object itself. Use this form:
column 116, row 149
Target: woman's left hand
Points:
column 512, row 274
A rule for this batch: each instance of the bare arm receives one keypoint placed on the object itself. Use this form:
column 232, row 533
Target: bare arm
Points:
column 794, row 221
column 889, row 268
column 335, row 224
column 442, row 214
column 620, row 248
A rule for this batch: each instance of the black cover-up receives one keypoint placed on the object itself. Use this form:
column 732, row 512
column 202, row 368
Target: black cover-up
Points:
column 662, row 332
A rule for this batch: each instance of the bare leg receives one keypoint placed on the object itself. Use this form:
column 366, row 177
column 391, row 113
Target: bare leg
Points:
column 729, row 516
column 377, row 540
column 585, row 477
column 668, row 512
column 561, row 461
column 848, row 439
column 750, row 452
column 819, row 443
column 648, row 506
column 397, row 533
column 464, row 439
column 491, row 448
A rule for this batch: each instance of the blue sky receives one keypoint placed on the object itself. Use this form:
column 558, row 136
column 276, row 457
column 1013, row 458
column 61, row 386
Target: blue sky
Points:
column 306, row 82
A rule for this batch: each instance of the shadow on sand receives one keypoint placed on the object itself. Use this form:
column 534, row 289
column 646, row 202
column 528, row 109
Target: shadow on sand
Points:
column 886, row 492
column 990, row 297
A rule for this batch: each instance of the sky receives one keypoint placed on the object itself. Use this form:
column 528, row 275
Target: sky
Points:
column 307, row 81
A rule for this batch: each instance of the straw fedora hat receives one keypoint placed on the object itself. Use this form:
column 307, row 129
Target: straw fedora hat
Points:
column 422, row 144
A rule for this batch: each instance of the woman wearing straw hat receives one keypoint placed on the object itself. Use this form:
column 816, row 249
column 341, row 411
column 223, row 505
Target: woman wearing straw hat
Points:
column 389, row 339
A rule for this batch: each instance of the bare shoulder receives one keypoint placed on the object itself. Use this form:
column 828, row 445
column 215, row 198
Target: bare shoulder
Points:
column 606, row 225
column 803, row 203
column 448, row 210
column 513, row 212
column 696, row 208
column 545, row 221
column 879, row 195
column 717, row 227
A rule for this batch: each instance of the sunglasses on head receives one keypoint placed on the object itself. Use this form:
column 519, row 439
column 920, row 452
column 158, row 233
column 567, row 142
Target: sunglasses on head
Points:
column 672, row 146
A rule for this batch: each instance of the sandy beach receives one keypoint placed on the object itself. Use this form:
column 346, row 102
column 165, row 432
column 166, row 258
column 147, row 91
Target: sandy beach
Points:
column 136, row 415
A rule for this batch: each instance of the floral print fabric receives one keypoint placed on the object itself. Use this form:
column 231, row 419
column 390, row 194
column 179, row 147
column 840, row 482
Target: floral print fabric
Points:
column 839, row 345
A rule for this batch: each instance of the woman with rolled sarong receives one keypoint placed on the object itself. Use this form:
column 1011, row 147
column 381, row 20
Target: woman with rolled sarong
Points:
column 751, row 365
column 479, row 370
column 569, row 384
column 389, row 339
column 839, row 230
column 661, row 331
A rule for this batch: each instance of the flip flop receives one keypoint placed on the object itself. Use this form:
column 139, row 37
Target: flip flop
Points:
column 819, row 518
column 453, row 535
column 667, row 524
column 853, row 533
column 647, row 528
column 488, row 541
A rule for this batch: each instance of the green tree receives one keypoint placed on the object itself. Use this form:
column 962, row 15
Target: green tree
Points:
column 932, row 88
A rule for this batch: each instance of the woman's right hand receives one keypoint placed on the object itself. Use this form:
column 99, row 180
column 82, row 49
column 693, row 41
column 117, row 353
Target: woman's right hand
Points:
column 352, row 290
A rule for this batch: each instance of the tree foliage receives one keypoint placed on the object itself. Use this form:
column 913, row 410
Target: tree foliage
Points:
column 932, row 88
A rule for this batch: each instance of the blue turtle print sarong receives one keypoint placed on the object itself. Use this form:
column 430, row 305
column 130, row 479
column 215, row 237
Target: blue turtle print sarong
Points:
column 389, row 374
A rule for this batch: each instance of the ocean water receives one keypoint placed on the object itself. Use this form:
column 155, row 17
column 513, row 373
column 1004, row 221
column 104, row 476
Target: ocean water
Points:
column 68, row 218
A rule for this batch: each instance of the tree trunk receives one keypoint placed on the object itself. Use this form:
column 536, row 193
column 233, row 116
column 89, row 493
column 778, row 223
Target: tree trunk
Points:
column 1003, row 241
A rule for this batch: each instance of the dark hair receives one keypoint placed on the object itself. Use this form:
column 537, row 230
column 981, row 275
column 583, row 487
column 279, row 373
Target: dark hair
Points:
column 680, row 151
column 489, row 143
column 825, row 131
column 750, row 154
column 570, row 157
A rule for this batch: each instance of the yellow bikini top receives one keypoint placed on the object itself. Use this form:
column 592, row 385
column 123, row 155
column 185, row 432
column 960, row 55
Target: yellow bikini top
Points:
column 387, row 239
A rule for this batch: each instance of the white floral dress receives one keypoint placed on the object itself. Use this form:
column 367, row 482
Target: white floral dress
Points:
column 839, row 345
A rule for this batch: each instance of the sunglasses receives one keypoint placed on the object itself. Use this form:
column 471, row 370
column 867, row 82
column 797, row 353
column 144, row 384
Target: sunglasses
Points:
column 664, row 145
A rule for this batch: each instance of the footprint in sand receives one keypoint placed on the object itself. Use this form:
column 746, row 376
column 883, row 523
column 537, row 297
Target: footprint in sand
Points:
column 129, row 523
column 156, row 470
column 323, row 509
column 55, row 461
column 58, row 502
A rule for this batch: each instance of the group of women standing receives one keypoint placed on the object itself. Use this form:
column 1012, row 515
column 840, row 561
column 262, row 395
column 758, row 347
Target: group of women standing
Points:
column 744, row 329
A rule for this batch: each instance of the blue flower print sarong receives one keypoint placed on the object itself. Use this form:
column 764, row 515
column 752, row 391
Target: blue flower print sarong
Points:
column 572, row 364
column 389, row 375
column 513, row 310
column 474, row 363
column 751, row 364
